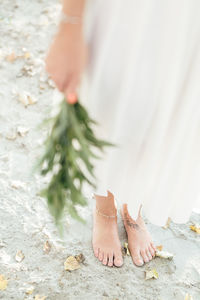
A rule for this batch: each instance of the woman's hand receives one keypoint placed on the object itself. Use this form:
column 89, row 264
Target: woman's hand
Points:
column 66, row 59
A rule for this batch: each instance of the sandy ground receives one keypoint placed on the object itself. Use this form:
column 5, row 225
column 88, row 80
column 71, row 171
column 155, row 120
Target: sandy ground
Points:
column 26, row 28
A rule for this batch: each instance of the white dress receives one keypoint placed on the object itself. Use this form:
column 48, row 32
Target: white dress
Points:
column 144, row 90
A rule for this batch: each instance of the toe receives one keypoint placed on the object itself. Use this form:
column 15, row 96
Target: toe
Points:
column 136, row 257
column 110, row 260
column 152, row 251
column 148, row 253
column 153, row 246
column 144, row 256
column 118, row 261
column 96, row 251
column 100, row 255
column 105, row 259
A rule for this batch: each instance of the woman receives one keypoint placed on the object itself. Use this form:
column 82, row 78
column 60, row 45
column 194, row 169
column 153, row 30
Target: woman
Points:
column 143, row 68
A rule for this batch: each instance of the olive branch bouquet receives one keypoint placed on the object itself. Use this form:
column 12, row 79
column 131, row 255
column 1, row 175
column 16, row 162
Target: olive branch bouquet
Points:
column 68, row 159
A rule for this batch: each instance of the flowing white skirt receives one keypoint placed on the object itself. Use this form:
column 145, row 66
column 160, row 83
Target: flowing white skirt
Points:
column 144, row 90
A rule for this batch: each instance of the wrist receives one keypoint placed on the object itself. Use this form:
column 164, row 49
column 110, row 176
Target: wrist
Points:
column 70, row 22
column 67, row 28
column 69, row 18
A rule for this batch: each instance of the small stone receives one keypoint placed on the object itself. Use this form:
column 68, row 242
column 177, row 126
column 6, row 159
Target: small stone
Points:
column 19, row 256
column 11, row 136
column 30, row 291
column 2, row 244
column 16, row 184
column 22, row 131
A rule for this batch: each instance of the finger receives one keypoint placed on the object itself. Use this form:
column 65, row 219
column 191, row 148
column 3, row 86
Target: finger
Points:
column 71, row 98
column 71, row 90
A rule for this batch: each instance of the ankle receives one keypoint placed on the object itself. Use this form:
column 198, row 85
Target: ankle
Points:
column 140, row 221
column 106, row 204
column 106, row 208
column 108, row 216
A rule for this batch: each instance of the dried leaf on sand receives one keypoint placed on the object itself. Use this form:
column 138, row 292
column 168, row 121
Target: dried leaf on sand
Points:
column 80, row 258
column 195, row 228
column 31, row 100
column 160, row 247
column 151, row 274
column 30, row 291
column 47, row 247
column 39, row 297
column 27, row 55
column 51, row 83
column 188, row 297
column 164, row 254
column 11, row 136
column 26, row 99
column 11, row 57
column 71, row 264
column 167, row 223
column 19, row 256
column 3, row 283
column 126, row 249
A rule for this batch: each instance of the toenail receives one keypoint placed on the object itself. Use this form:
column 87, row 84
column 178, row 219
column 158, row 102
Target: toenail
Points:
column 110, row 264
column 100, row 257
column 118, row 262
column 141, row 262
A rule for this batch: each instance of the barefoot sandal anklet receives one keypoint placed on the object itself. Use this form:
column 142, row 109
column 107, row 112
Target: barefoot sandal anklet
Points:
column 103, row 215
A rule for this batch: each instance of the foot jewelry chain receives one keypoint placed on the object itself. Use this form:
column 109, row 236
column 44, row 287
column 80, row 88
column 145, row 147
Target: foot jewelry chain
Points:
column 103, row 215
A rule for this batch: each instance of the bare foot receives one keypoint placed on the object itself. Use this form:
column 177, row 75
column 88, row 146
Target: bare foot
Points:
column 140, row 242
column 106, row 243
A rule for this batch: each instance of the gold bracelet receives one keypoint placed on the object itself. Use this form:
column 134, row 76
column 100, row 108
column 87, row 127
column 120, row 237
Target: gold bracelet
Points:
column 65, row 18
